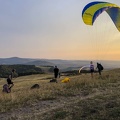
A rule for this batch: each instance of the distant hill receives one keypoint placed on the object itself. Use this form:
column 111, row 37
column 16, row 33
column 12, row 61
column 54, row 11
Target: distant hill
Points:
column 14, row 60
column 40, row 63
column 63, row 65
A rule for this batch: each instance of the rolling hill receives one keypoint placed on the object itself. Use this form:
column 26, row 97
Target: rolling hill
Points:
column 62, row 64
column 82, row 98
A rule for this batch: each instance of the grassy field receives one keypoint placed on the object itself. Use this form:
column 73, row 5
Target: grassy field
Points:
column 83, row 98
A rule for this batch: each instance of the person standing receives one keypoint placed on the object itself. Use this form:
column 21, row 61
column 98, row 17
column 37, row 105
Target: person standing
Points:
column 100, row 68
column 56, row 72
column 12, row 74
column 91, row 69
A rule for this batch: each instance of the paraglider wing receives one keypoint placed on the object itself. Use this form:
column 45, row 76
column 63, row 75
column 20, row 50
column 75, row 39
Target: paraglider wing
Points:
column 92, row 10
column 114, row 13
column 65, row 80
column 86, row 66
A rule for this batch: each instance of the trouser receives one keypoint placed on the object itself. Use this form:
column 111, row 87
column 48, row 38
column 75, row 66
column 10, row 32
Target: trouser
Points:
column 56, row 75
column 99, row 72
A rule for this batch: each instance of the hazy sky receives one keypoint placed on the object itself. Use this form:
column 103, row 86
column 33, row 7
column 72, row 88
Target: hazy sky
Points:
column 54, row 29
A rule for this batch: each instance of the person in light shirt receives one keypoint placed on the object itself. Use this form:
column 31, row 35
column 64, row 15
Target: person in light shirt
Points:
column 91, row 68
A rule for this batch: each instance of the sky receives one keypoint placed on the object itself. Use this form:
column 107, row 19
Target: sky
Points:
column 54, row 29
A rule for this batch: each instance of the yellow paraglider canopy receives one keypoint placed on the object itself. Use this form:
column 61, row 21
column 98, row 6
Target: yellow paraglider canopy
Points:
column 92, row 10
column 65, row 80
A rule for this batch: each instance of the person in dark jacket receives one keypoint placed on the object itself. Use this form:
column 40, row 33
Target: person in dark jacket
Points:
column 56, row 72
column 100, row 68
column 9, row 79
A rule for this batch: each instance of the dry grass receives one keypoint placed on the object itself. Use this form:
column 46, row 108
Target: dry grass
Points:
column 79, row 87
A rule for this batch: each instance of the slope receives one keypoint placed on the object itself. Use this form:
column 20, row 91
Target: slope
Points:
column 82, row 98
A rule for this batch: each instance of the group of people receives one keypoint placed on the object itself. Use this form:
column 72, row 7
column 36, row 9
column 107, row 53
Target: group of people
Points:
column 99, row 67
column 7, row 87
column 92, row 69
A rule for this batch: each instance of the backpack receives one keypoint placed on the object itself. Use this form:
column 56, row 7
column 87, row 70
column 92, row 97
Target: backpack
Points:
column 101, row 67
column 6, row 88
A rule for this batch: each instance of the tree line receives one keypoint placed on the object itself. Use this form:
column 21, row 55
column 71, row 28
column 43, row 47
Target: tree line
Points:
column 20, row 70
